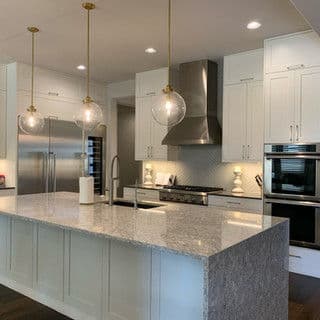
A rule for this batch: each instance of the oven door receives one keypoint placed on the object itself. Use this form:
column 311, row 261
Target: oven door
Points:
column 304, row 219
column 292, row 176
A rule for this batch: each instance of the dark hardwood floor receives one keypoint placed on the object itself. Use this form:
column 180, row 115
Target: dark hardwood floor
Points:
column 304, row 303
column 14, row 306
column 304, row 298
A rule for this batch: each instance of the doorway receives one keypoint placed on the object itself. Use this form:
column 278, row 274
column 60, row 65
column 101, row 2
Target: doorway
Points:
column 130, row 170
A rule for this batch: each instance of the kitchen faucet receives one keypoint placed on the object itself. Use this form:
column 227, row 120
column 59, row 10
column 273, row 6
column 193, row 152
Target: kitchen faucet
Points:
column 112, row 178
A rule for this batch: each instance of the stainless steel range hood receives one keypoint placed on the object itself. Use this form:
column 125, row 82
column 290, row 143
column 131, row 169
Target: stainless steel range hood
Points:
column 198, row 86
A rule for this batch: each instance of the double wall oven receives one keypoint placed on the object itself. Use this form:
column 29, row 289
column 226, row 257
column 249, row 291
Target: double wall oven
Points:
column 292, row 189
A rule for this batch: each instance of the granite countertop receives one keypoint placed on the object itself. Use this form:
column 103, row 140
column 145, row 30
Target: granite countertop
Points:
column 145, row 186
column 245, row 195
column 185, row 229
column 6, row 188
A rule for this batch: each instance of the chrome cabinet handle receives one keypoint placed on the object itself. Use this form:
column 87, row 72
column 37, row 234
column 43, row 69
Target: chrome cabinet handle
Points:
column 151, row 151
column 295, row 67
column 46, row 171
column 54, row 172
column 297, row 132
column 247, row 79
column 294, row 256
column 243, row 152
column 248, row 152
column 148, row 153
column 291, row 133
column 150, row 93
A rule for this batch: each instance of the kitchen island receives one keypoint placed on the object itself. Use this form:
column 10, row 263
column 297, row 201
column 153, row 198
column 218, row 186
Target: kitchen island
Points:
column 174, row 262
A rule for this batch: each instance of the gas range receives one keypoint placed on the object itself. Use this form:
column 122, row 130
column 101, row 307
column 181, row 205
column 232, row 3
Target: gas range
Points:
column 187, row 194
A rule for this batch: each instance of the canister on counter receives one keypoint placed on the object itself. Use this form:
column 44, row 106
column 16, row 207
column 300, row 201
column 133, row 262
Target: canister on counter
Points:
column 2, row 180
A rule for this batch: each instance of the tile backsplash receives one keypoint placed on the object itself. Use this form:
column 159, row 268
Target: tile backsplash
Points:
column 201, row 165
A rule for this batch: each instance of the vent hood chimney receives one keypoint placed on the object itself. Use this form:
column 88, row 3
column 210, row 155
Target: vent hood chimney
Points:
column 198, row 86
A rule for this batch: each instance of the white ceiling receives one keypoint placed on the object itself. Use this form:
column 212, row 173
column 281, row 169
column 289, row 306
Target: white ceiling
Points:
column 122, row 29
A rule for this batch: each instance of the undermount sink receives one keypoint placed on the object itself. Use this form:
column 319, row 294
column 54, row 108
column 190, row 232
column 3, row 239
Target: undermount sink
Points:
column 140, row 204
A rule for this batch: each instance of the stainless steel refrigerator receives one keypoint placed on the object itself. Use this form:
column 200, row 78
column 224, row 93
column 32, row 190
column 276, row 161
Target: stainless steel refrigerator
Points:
column 50, row 161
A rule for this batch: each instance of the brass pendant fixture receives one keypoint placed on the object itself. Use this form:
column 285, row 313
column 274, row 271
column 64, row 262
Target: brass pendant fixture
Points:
column 169, row 108
column 31, row 121
column 90, row 114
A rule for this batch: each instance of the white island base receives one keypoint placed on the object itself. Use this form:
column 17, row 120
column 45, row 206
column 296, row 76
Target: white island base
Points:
column 180, row 263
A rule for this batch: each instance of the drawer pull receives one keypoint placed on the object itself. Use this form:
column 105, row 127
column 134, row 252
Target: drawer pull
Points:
column 295, row 67
column 56, row 94
column 150, row 93
column 231, row 202
column 247, row 79
column 294, row 256
column 142, row 193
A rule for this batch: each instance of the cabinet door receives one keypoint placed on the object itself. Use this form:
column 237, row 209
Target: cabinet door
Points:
column 234, row 123
column 151, row 83
column 243, row 67
column 21, row 251
column 143, row 128
column 129, row 287
column 292, row 51
column 279, row 107
column 307, row 84
column 255, row 121
column 3, row 243
column 3, row 110
column 158, row 132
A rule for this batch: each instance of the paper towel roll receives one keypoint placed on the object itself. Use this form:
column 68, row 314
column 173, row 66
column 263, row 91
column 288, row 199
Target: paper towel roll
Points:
column 86, row 186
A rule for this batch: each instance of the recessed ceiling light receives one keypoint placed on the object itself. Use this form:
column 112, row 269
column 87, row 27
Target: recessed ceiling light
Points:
column 81, row 67
column 150, row 50
column 253, row 25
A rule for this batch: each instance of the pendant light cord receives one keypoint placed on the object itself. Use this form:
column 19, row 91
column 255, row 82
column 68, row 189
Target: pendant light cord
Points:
column 32, row 70
column 169, row 42
column 88, row 53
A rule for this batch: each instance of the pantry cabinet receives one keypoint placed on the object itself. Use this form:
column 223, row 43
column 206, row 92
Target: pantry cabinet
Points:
column 243, row 113
column 292, row 80
column 149, row 134
column 3, row 111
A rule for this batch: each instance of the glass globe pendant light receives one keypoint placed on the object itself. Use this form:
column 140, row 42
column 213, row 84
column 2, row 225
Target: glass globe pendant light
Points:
column 31, row 121
column 169, row 108
column 90, row 114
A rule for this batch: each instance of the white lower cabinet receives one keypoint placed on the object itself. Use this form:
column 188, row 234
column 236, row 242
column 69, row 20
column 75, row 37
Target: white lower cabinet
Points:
column 21, row 251
column 236, row 203
column 4, row 224
column 83, row 277
column 87, row 277
column 142, row 194
column 129, row 282
column 48, row 277
column 304, row 261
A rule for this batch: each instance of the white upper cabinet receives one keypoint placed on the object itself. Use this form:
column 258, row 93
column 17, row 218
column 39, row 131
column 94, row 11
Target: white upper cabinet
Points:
column 149, row 134
column 234, row 122
column 292, row 52
column 279, row 107
column 243, row 112
column 307, row 114
column 242, row 67
column 292, row 93
column 255, row 121
column 3, row 111
column 151, row 83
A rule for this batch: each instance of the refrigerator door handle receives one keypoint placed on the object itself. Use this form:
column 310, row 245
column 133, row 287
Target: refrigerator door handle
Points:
column 45, row 171
column 54, row 172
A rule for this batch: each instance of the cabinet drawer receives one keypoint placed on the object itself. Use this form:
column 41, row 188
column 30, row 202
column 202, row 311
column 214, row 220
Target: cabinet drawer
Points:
column 240, row 204
column 304, row 261
column 143, row 194
column 292, row 52
column 243, row 67
column 7, row 192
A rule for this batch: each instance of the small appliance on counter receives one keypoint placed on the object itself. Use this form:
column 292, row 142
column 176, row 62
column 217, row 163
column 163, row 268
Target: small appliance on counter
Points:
column 187, row 194
column 2, row 181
